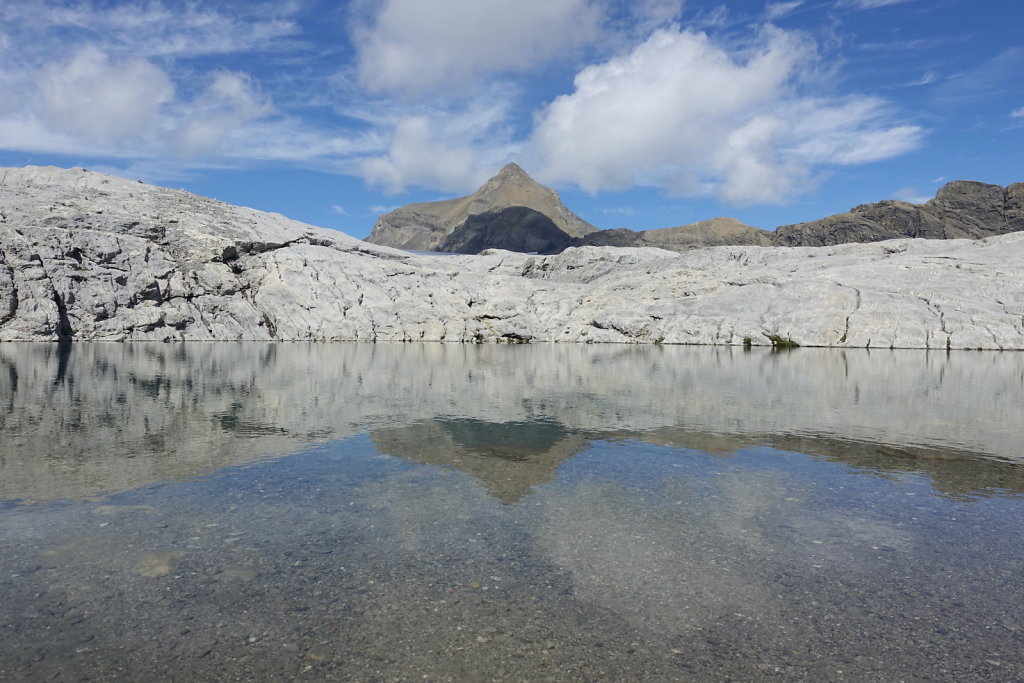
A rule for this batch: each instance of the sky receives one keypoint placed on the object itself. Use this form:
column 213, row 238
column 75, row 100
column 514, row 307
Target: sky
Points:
column 642, row 114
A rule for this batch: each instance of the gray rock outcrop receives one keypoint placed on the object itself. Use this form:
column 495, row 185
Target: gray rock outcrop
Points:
column 961, row 209
column 502, row 215
column 93, row 257
column 429, row 226
column 710, row 233
column 516, row 228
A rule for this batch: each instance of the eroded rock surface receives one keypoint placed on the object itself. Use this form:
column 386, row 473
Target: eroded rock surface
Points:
column 961, row 209
column 93, row 257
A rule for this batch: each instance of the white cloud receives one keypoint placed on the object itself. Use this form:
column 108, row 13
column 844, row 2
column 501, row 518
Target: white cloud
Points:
column 447, row 149
column 647, row 15
column 421, row 154
column 846, row 132
column 909, row 194
column 411, row 47
column 95, row 96
column 927, row 78
column 152, row 28
column 96, row 105
column 681, row 113
column 992, row 78
column 338, row 209
column 777, row 10
column 1017, row 113
column 872, row 4
column 228, row 103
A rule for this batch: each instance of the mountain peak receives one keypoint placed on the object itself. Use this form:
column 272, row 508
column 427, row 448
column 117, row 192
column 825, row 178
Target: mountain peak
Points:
column 426, row 226
column 511, row 169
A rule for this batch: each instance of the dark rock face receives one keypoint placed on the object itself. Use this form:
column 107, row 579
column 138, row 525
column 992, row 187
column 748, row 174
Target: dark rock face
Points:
column 619, row 237
column 514, row 212
column 961, row 209
column 710, row 233
column 426, row 226
column 516, row 228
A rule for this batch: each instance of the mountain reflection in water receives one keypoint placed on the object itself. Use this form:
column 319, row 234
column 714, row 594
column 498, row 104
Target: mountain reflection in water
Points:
column 85, row 419
column 401, row 512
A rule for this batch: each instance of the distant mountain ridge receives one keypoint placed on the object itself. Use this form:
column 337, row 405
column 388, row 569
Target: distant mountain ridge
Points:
column 960, row 209
column 514, row 212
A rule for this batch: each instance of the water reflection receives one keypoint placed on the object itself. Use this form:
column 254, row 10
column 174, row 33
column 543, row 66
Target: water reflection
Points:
column 80, row 420
column 508, row 513
column 508, row 458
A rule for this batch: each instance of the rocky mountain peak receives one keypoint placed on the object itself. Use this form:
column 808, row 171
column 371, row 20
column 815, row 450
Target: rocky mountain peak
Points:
column 427, row 226
column 511, row 169
column 508, row 186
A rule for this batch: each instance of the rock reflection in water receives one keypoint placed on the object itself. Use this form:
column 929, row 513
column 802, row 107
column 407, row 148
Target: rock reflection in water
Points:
column 508, row 458
column 495, row 513
column 80, row 420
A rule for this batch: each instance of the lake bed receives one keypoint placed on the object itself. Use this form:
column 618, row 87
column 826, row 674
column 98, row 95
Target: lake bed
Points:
column 536, row 512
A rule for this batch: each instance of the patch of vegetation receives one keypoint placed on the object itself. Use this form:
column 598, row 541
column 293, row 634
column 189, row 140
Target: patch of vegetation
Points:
column 660, row 340
column 780, row 342
column 748, row 342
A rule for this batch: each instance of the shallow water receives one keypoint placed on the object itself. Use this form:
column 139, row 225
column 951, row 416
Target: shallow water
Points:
column 452, row 512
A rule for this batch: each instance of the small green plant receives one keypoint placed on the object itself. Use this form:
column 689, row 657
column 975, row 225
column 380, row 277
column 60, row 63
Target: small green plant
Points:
column 747, row 341
column 780, row 342
column 660, row 340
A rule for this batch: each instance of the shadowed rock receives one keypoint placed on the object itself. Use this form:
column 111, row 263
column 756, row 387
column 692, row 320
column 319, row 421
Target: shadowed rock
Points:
column 427, row 226
column 516, row 228
column 961, row 209
column 709, row 233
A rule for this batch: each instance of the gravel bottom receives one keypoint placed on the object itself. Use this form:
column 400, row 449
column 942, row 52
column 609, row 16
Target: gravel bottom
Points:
column 637, row 562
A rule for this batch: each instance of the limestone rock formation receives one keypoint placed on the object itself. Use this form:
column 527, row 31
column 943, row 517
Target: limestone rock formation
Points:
column 710, row 233
column 93, row 257
column 960, row 209
column 427, row 226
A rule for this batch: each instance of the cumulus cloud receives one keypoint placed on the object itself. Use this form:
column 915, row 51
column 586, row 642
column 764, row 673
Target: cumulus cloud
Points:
column 680, row 112
column 229, row 102
column 451, row 149
column 422, row 154
column 102, row 80
column 410, row 47
column 94, row 95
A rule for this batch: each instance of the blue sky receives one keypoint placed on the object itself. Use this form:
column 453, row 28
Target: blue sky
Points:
column 642, row 114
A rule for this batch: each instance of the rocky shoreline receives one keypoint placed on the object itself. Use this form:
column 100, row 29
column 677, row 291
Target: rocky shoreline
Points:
column 86, row 256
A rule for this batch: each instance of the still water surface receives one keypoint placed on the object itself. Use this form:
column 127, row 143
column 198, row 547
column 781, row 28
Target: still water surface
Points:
column 451, row 512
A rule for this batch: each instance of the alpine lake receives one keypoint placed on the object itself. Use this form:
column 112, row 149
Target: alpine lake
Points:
column 450, row 512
